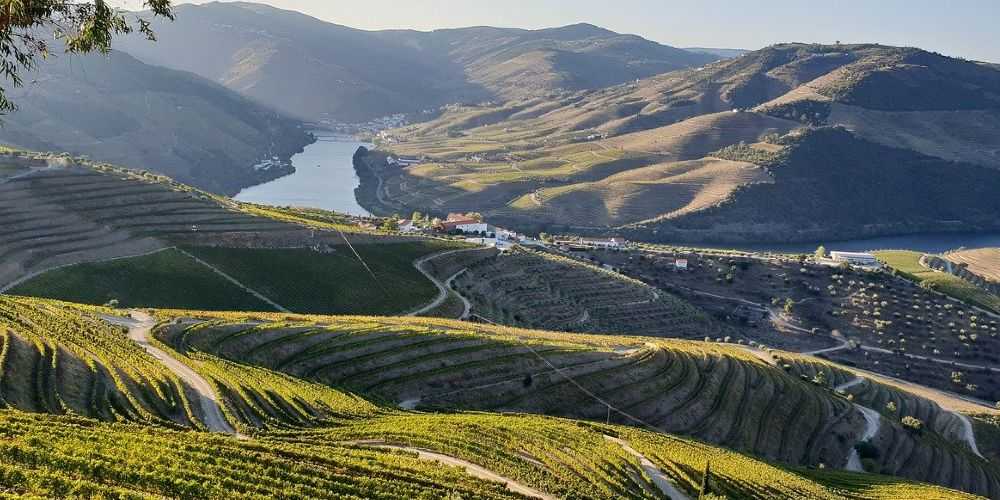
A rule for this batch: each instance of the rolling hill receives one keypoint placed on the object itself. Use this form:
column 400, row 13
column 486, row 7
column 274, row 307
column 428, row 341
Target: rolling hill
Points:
column 788, row 143
column 100, row 404
column 349, row 75
column 117, row 109
column 95, row 233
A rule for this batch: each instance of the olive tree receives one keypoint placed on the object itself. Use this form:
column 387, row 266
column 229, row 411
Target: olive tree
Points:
column 27, row 27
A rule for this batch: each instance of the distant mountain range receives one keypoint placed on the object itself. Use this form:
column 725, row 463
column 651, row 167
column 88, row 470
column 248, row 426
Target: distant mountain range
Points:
column 314, row 70
column 117, row 109
column 792, row 142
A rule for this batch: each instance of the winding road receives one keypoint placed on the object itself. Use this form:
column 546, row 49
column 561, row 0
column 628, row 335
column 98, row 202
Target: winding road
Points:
column 444, row 288
column 140, row 325
column 873, row 421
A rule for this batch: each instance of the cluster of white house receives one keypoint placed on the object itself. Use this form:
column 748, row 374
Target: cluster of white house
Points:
column 479, row 232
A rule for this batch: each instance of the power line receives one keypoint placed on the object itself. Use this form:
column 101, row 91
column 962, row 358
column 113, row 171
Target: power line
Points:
column 362, row 261
column 579, row 386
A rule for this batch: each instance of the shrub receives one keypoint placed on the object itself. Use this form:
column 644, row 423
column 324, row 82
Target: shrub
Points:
column 912, row 423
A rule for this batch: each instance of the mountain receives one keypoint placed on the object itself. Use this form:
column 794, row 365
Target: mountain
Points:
column 327, row 390
column 788, row 143
column 117, row 109
column 316, row 70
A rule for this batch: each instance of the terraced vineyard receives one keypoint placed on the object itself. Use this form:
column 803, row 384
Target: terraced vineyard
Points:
column 330, row 436
column 97, row 233
column 895, row 325
column 984, row 262
column 539, row 290
column 942, row 449
column 60, row 457
column 73, row 457
column 62, row 361
column 715, row 393
column 61, row 216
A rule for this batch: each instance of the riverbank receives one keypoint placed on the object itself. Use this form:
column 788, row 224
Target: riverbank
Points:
column 322, row 177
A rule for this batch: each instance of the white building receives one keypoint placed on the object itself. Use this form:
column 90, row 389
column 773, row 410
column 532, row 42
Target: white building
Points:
column 609, row 243
column 407, row 226
column 476, row 227
column 855, row 259
column 502, row 245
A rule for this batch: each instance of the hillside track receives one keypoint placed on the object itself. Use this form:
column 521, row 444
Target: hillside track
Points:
column 442, row 286
column 873, row 422
column 660, row 479
column 470, row 468
column 140, row 327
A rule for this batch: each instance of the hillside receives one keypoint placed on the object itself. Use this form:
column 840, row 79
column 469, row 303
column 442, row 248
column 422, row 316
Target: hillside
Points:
column 704, row 154
column 534, row 289
column 76, row 230
column 117, row 109
column 305, row 439
column 715, row 393
column 982, row 262
column 348, row 75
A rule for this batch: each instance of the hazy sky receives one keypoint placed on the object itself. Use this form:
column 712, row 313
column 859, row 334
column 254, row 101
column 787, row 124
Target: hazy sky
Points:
column 966, row 28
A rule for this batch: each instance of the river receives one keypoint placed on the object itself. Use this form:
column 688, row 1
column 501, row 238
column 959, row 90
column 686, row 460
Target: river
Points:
column 324, row 178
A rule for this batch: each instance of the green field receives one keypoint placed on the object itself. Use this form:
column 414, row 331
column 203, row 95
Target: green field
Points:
column 168, row 279
column 301, row 280
column 333, row 283
column 907, row 263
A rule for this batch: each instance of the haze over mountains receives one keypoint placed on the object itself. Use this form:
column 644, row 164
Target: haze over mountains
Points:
column 117, row 109
column 315, row 70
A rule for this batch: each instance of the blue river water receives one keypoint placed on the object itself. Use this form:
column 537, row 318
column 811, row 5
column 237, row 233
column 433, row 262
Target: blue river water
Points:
column 324, row 178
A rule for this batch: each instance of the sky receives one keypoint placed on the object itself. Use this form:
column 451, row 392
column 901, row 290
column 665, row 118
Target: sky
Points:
column 963, row 28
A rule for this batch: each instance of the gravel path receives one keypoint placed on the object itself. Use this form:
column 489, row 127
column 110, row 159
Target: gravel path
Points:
column 139, row 327
column 443, row 288
column 470, row 468
column 873, row 422
column 661, row 480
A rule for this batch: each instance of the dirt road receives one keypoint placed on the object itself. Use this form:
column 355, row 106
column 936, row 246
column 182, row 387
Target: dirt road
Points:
column 873, row 421
column 661, row 480
column 443, row 287
column 139, row 327
column 470, row 468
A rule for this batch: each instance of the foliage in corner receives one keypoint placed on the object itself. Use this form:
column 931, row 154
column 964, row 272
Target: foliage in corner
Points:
column 82, row 26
